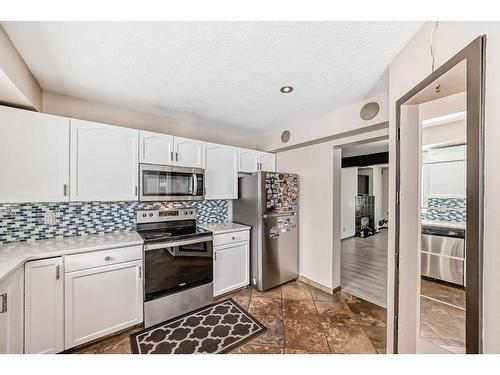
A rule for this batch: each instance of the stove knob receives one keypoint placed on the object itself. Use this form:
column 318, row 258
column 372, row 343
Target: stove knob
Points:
column 150, row 214
column 144, row 215
column 190, row 212
column 185, row 213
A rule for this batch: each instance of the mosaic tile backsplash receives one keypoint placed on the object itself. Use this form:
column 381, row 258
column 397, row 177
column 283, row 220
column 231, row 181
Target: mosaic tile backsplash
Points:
column 446, row 209
column 25, row 221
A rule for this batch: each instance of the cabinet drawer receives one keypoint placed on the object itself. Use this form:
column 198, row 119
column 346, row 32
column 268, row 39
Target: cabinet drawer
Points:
column 227, row 238
column 101, row 258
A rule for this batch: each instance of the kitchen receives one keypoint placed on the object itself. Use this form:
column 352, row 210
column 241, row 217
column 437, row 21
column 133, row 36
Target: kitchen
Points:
column 197, row 209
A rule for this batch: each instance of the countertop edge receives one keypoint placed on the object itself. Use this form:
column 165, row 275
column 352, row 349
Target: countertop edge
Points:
column 21, row 260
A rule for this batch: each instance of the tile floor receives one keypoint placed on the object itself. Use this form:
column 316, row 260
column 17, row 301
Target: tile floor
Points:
column 300, row 319
column 442, row 315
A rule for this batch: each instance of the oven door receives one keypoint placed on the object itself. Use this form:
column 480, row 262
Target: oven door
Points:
column 179, row 265
column 168, row 183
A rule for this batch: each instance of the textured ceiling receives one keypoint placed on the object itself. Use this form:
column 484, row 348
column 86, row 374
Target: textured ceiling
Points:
column 226, row 72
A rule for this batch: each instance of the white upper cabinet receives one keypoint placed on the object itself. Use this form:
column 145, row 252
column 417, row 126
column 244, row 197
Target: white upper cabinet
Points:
column 156, row 148
column 34, row 157
column 44, row 306
column 267, row 162
column 221, row 171
column 188, row 152
column 104, row 162
column 251, row 161
column 248, row 160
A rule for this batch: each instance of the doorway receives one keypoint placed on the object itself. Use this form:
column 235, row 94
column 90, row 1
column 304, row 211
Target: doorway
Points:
column 364, row 215
column 438, row 216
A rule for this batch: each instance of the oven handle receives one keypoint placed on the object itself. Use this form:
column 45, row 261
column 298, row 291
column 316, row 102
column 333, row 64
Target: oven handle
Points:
column 162, row 245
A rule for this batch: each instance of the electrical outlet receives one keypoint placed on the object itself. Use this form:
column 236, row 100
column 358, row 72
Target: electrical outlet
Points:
column 49, row 218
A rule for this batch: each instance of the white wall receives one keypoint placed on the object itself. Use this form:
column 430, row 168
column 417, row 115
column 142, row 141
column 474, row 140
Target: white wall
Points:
column 377, row 192
column 385, row 193
column 349, row 190
column 196, row 128
column 341, row 120
column 410, row 67
column 316, row 206
column 319, row 169
column 17, row 85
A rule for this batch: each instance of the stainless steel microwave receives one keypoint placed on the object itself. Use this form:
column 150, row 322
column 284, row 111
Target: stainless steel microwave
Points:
column 168, row 183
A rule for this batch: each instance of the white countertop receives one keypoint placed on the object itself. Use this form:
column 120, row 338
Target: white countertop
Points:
column 225, row 227
column 444, row 224
column 15, row 254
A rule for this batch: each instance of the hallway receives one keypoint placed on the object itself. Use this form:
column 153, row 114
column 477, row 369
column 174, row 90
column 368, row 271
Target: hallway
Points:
column 364, row 267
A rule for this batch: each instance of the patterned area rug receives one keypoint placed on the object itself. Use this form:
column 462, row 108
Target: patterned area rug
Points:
column 217, row 328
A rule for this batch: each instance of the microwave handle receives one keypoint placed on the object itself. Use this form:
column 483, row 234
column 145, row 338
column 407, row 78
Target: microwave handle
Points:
column 195, row 184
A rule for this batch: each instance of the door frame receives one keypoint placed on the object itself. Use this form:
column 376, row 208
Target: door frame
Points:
column 474, row 54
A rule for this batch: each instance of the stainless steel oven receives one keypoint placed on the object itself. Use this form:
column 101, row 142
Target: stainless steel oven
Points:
column 178, row 263
column 170, row 267
column 169, row 183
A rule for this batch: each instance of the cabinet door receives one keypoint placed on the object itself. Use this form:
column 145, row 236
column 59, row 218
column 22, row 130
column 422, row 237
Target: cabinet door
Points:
column 221, row 171
column 34, row 156
column 104, row 163
column 156, row 148
column 231, row 267
column 11, row 313
column 248, row 160
column 44, row 309
column 447, row 179
column 188, row 152
column 102, row 300
column 267, row 162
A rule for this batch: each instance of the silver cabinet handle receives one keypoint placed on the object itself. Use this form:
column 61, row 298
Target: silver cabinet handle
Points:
column 171, row 156
column 3, row 303
column 65, row 190
column 107, row 258
column 136, row 190
column 140, row 272
column 215, row 255
column 176, row 156
column 58, row 272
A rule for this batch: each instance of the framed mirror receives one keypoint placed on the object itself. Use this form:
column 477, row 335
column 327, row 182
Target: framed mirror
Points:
column 438, row 291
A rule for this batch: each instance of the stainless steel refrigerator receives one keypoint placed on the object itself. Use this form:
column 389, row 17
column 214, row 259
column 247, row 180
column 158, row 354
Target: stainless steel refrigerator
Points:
column 269, row 203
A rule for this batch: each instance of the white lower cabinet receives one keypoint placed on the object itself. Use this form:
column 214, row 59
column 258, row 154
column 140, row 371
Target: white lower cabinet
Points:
column 231, row 266
column 11, row 313
column 102, row 300
column 44, row 309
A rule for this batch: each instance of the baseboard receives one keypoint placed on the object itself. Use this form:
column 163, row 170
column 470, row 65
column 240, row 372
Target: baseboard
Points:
column 319, row 286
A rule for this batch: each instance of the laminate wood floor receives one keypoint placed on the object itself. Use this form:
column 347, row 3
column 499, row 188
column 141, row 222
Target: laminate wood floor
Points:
column 364, row 267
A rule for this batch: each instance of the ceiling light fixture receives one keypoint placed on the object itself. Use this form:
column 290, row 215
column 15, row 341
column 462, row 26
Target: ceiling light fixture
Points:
column 286, row 89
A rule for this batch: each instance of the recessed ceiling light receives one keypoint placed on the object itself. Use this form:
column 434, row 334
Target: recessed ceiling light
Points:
column 286, row 89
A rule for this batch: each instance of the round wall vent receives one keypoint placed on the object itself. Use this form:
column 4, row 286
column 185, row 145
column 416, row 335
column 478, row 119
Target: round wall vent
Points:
column 369, row 111
column 285, row 136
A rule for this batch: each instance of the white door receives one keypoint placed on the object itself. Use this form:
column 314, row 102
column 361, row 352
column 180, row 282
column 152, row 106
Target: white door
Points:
column 156, row 148
column 12, row 313
column 34, row 156
column 188, row 152
column 267, row 162
column 43, row 304
column 104, row 163
column 248, row 160
column 102, row 300
column 231, row 267
column 221, row 171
